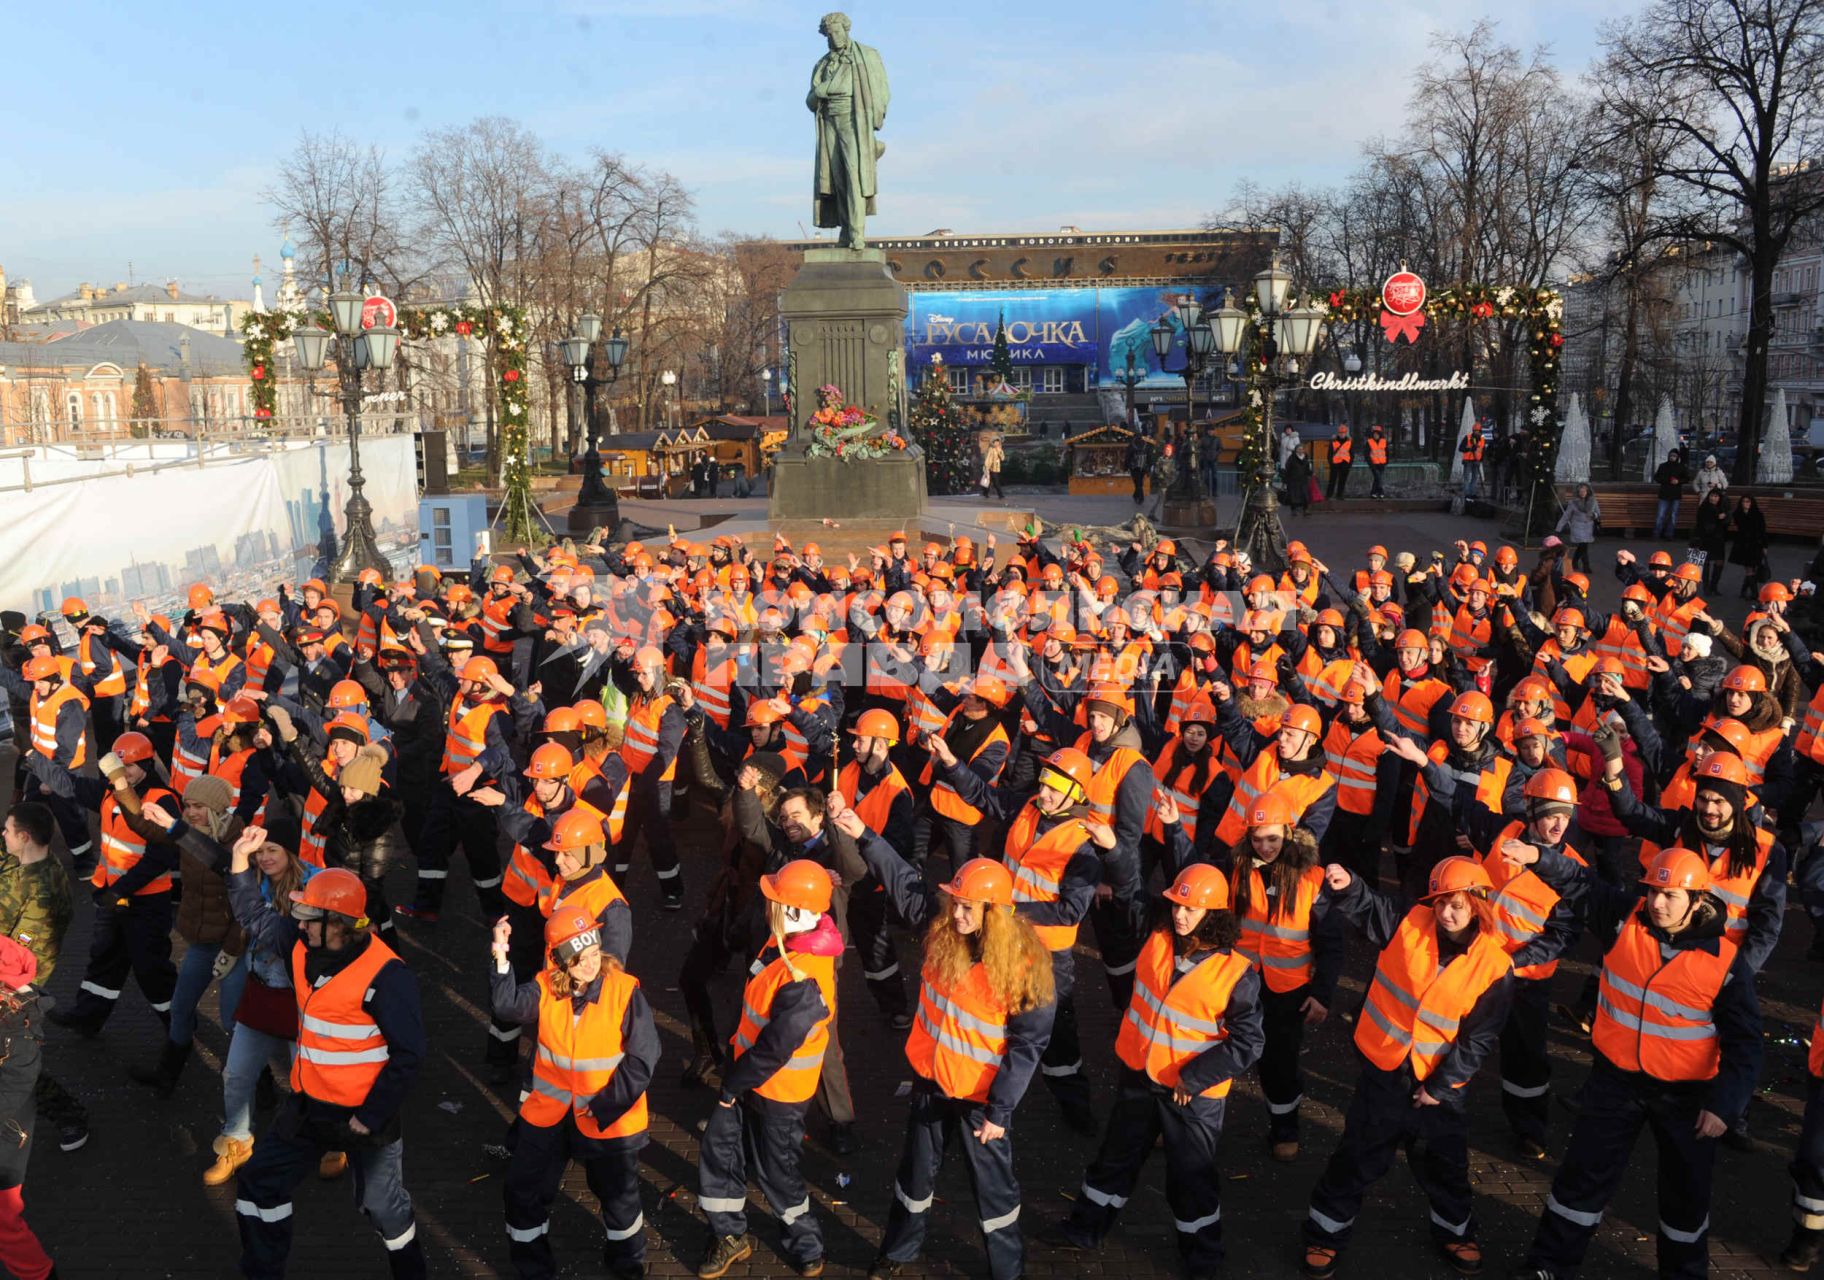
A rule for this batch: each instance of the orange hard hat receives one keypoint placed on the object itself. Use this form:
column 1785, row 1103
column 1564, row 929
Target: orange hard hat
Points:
column 648, row 656
column 132, row 748
column 1303, row 716
column 982, row 880
column 552, row 760
column 1554, row 786
column 1533, row 689
column 73, row 607
column 569, row 921
column 1062, row 632
column 1775, row 593
column 1639, row 594
column 31, row 633
column 1458, row 874
column 200, row 597
column 1071, row 764
column 876, row 723
column 1688, row 573
column 1165, row 547
column 1275, row 807
column 241, row 710
column 1721, row 766
column 577, row 829
column 1264, row 669
column 1661, row 558
column 42, row 669
column 1746, row 679
column 334, row 889
column 592, row 714
column 1473, row 706
column 1377, row 550
column 1202, row 710
column 1330, row 618
column 990, row 689
column 480, row 670
column 1581, row 581
column 1569, row 618
column 763, row 712
column 347, row 693
column 1411, row 639
column 501, row 573
column 1200, row 885
column 1260, row 582
column 1732, row 731
column 1380, row 578
column 353, row 722
column 563, row 720
column 1202, row 642
column 1112, row 694
column 369, row 578
column 1677, row 868
column 799, row 883
column 1610, row 665
column 1531, row 727
column 1117, row 616
column 1507, row 557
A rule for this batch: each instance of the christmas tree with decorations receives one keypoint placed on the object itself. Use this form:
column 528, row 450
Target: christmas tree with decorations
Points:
column 1001, row 362
column 936, row 428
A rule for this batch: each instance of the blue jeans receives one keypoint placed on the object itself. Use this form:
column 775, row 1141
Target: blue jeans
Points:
column 1472, row 479
column 193, row 978
column 1665, row 520
column 248, row 1052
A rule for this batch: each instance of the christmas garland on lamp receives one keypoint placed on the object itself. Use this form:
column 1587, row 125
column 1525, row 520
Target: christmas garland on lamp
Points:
column 505, row 327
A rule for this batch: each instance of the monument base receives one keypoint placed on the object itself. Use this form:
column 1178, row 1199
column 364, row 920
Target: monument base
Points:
column 808, row 488
column 582, row 519
column 1188, row 515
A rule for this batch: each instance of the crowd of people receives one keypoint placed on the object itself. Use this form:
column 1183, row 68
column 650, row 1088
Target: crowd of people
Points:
column 984, row 755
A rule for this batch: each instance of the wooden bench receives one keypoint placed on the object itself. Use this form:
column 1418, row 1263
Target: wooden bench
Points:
column 1628, row 511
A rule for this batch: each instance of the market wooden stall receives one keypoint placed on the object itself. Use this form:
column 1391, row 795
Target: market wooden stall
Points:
column 1098, row 459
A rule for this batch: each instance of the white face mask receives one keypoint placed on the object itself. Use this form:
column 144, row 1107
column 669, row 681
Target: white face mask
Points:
column 798, row 920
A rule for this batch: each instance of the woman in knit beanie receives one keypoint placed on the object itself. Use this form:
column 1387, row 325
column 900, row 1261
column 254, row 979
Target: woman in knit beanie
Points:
column 204, row 921
column 357, row 824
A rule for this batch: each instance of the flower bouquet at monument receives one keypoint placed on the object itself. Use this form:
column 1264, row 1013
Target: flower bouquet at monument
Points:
column 849, row 432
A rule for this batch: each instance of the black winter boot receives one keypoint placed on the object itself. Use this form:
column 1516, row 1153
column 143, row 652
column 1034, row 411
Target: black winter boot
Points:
column 1801, row 1252
column 162, row 1077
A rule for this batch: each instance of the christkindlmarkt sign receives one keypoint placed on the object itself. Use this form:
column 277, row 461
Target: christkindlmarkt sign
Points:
column 1373, row 382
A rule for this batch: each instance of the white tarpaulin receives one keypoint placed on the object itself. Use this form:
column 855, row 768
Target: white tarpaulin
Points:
column 1774, row 465
column 241, row 521
column 1574, row 445
column 1456, row 454
column 1665, row 438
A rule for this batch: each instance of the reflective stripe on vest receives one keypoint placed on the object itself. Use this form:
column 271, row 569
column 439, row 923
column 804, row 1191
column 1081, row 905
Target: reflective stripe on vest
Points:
column 1654, row 1006
column 340, row 1048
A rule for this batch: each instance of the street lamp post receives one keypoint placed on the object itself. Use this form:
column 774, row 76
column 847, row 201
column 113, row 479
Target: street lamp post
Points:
column 670, row 380
column 1282, row 337
column 766, row 392
column 355, row 350
column 595, row 501
column 1186, row 505
column 1130, row 380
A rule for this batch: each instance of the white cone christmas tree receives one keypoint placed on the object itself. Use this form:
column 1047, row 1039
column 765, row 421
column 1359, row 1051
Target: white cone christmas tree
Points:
column 1665, row 438
column 1456, row 453
column 1574, row 445
column 1774, row 466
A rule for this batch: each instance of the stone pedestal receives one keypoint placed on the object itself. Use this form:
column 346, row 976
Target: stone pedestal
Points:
column 1190, row 515
column 845, row 315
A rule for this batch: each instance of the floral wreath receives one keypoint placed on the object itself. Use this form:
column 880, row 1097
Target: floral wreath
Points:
column 847, row 431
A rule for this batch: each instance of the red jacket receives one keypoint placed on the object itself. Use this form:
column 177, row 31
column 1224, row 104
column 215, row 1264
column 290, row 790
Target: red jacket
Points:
column 1593, row 813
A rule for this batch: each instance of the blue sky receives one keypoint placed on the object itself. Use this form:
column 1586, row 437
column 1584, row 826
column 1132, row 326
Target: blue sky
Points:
column 153, row 128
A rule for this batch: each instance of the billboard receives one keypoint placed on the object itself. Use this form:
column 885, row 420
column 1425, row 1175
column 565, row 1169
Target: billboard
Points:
column 1095, row 327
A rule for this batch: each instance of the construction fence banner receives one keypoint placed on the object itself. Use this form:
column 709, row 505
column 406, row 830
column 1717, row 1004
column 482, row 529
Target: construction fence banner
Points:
column 142, row 522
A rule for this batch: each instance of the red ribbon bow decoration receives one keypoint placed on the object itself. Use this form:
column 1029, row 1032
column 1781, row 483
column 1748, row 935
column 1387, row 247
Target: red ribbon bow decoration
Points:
column 1403, row 300
column 1406, row 327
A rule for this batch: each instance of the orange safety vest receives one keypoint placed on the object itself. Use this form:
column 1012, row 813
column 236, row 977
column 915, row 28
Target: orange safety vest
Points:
column 881, row 682
column 1256, row 780
column 1377, row 450
column 122, row 847
column 1342, row 451
column 1105, row 787
column 1244, row 658
column 1353, row 759
column 712, row 685
column 594, row 896
column 1038, row 862
column 230, row 769
column 875, row 807
column 797, row 743
column 945, row 799
column 1522, row 901
column 141, row 701
column 1414, row 1004
column 112, row 685
column 640, row 746
column 1280, row 948
column 1171, row 1020
column 220, row 670
column 1472, row 447
column 960, row 1034
column 340, row 1049
column 797, row 1080
column 1468, row 636
column 1622, row 642
column 44, row 712
column 1184, row 693
column 467, row 736
column 1327, row 680
column 1810, row 741
column 579, row 1050
column 616, row 820
column 259, row 661
column 1174, row 776
column 311, row 842
column 1490, row 783
column 1734, row 891
column 526, row 880
column 1674, row 621
column 1654, row 1013
column 496, row 621
column 922, row 716
column 1411, row 703
column 187, row 764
